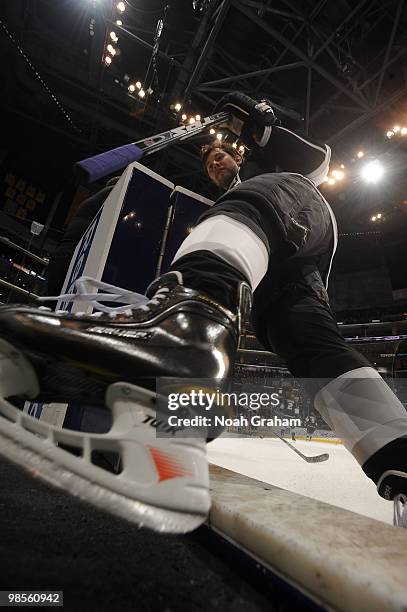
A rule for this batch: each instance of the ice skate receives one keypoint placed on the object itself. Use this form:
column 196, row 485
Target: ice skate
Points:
column 393, row 486
column 114, row 356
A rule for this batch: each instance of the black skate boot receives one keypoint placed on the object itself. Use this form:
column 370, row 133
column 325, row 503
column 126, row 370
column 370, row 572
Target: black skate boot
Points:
column 114, row 356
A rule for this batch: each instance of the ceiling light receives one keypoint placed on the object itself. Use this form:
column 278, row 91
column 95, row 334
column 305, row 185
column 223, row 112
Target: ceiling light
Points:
column 119, row 22
column 121, row 7
column 132, row 88
column 389, row 134
column 403, row 131
column 138, row 85
column 219, row 136
column 108, row 60
column 111, row 49
column 360, row 154
column 184, row 117
column 141, row 93
column 212, row 131
column 192, row 120
column 198, row 117
column 177, row 107
column 396, row 129
column 373, row 171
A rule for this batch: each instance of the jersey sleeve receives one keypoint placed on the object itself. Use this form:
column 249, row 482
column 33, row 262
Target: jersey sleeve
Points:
column 284, row 151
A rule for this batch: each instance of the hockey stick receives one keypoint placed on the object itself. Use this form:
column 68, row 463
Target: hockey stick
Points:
column 99, row 166
column 315, row 459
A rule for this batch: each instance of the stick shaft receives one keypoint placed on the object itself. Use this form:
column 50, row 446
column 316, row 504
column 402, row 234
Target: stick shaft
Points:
column 98, row 166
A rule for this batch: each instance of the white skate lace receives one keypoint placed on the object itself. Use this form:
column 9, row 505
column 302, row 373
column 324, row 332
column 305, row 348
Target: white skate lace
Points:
column 109, row 293
column 400, row 511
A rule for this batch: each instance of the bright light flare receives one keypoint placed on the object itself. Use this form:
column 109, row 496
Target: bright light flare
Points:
column 121, row 7
column 360, row 154
column 396, row 129
column 178, row 107
column 390, row 134
column 108, row 60
column 373, row 172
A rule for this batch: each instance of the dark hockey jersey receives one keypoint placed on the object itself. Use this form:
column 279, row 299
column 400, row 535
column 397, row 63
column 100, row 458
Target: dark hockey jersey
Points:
column 285, row 151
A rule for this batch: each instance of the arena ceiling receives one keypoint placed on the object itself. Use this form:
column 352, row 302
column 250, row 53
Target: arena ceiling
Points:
column 335, row 71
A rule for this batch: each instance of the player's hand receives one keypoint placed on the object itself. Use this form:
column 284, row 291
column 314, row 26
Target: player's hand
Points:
column 249, row 116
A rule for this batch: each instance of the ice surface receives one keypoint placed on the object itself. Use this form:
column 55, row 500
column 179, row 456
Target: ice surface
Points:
column 339, row 481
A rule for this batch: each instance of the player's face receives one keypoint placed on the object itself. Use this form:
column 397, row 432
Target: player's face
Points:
column 221, row 167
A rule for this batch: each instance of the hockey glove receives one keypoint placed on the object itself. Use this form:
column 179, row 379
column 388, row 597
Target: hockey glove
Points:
column 249, row 117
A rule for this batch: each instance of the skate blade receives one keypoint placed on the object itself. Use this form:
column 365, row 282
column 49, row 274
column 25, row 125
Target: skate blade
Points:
column 33, row 445
column 15, row 447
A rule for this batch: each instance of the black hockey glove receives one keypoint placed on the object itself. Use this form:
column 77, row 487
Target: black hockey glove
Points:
column 249, row 117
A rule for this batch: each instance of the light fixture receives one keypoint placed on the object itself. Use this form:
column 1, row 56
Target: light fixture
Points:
column 219, row 136
column 241, row 149
column 212, row 131
column 396, row 129
column 360, row 154
column 373, row 218
column 119, row 22
column 177, row 107
column 121, row 7
column 198, row 117
column 132, row 88
column 141, row 93
column 373, row 171
column 389, row 134
column 331, row 181
column 113, row 36
column 111, row 49
column 192, row 120
column 138, row 85
column 338, row 175
column 184, row 117
column 342, row 166
column 108, row 60
column 379, row 216
column 234, row 145
column 403, row 131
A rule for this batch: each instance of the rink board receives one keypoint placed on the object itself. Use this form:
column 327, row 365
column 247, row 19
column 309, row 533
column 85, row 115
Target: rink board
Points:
column 343, row 560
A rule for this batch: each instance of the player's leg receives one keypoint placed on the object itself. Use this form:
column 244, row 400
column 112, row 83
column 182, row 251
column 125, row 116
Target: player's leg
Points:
column 347, row 391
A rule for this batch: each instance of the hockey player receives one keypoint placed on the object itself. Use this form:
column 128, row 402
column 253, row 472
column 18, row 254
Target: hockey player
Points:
column 271, row 230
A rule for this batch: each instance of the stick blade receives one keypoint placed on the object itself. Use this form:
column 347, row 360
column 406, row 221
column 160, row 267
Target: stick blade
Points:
column 317, row 458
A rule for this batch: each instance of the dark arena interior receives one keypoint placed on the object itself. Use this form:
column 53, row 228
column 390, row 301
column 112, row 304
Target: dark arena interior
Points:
column 79, row 78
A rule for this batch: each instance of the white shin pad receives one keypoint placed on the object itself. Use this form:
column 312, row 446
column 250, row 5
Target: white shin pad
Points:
column 363, row 411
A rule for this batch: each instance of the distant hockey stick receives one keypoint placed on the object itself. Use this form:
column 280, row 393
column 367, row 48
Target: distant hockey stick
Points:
column 315, row 459
column 99, row 166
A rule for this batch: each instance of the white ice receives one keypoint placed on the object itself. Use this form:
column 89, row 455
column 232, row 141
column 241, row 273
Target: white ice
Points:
column 338, row 481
